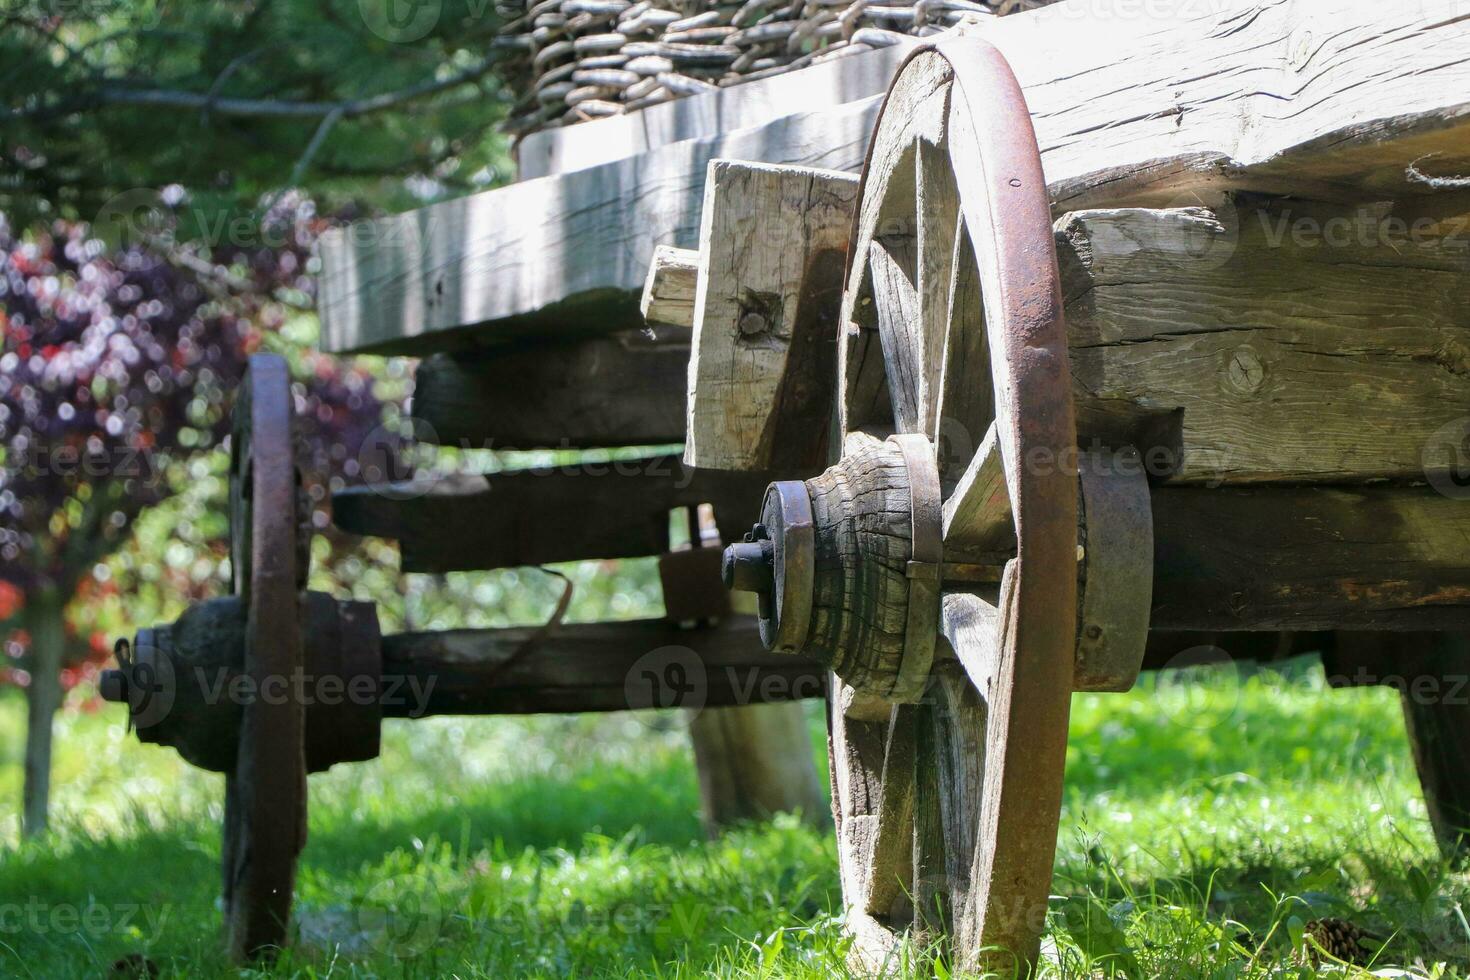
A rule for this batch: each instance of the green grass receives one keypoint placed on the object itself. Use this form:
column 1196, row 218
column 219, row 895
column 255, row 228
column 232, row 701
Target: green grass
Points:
column 1203, row 826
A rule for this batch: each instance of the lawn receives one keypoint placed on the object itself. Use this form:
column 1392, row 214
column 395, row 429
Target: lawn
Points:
column 1205, row 825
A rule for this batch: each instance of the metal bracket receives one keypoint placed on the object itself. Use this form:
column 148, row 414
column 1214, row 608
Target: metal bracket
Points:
column 1116, row 570
column 926, row 508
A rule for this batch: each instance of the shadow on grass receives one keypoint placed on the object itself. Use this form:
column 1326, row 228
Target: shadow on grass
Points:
column 80, row 898
column 658, row 805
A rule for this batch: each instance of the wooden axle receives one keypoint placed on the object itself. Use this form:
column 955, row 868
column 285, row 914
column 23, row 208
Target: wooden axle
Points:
column 593, row 667
column 186, row 685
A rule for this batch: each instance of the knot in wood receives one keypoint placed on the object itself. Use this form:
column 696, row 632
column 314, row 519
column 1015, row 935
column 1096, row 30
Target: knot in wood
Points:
column 1244, row 371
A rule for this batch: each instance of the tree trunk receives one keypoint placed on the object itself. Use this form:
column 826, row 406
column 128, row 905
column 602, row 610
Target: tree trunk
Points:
column 43, row 616
column 754, row 761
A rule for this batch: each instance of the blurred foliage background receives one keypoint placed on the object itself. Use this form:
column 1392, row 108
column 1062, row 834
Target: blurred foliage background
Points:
column 165, row 170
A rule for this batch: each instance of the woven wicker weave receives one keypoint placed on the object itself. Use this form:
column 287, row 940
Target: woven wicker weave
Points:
column 584, row 59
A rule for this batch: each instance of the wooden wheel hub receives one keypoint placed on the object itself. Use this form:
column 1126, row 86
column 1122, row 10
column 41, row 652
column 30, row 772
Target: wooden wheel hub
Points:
column 847, row 567
column 185, row 684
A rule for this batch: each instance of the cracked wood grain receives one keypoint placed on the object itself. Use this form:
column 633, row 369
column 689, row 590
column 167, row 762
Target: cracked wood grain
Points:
column 770, row 277
column 1270, row 342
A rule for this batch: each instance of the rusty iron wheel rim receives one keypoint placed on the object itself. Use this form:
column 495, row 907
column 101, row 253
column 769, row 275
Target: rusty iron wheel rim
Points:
column 265, row 807
column 995, row 165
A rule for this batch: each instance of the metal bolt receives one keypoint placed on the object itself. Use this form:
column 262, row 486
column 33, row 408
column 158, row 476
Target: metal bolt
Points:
column 748, row 567
column 113, row 686
column 753, row 323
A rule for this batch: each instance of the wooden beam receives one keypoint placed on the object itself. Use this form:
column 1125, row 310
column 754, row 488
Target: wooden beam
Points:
column 1270, row 342
column 668, row 294
column 1309, row 558
column 562, row 149
column 624, row 390
column 1344, row 97
column 771, row 248
column 590, row 667
column 618, row 509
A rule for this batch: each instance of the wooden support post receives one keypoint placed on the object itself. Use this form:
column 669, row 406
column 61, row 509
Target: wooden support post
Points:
column 1430, row 672
column 755, row 757
column 1439, row 734
column 772, row 244
column 755, row 761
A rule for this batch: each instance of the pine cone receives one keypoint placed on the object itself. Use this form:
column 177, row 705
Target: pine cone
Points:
column 135, row 966
column 1340, row 938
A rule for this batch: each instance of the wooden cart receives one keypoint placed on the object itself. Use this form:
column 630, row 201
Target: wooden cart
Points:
column 1063, row 451
column 1018, row 400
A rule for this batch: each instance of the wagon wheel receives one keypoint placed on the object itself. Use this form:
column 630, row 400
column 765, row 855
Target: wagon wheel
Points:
column 265, row 795
column 947, row 807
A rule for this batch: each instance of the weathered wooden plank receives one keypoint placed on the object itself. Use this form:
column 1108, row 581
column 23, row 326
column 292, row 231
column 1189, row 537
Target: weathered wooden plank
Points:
column 1339, row 94
column 618, row 509
column 1309, row 558
column 561, row 255
column 1278, row 342
column 591, row 667
column 624, row 390
column 668, row 294
column 772, row 246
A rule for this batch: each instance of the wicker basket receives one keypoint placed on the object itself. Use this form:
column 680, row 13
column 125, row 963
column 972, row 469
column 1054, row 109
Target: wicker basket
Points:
column 584, row 59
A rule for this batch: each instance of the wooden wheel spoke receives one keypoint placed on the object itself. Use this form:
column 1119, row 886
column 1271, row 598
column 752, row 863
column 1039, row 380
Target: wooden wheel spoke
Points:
column 978, row 513
column 891, row 262
column 947, row 798
column 891, row 858
column 931, row 873
column 936, row 202
column 866, row 787
column 885, row 280
column 966, row 404
column 970, row 623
